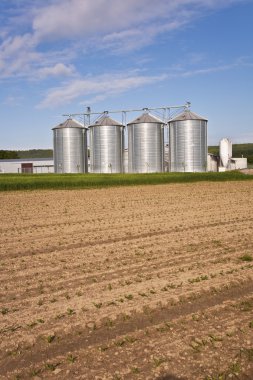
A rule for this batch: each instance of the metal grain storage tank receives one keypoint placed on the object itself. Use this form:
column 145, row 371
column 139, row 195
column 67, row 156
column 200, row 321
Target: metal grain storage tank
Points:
column 70, row 147
column 146, row 145
column 106, row 146
column 188, row 143
column 225, row 152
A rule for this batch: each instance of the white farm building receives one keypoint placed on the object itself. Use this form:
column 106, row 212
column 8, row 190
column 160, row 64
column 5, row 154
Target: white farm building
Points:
column 27, row 165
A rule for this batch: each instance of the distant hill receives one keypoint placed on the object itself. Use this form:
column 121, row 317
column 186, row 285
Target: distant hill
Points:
column 239, row 150
column 8, row 154
column 32, row 153
column 35, row 153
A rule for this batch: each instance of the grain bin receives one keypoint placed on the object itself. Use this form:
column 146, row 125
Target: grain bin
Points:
column 106, row 146
column 188, row 143
column 70, row 147
column 146, row 145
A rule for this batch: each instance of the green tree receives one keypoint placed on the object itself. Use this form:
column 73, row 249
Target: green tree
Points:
column 8, row 154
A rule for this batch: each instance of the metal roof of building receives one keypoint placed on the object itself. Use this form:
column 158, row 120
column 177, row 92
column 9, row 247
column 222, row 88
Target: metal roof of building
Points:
column 105, row 120
column 49, row 159
column 188, row 115
column 146, row 118
column 69, row 123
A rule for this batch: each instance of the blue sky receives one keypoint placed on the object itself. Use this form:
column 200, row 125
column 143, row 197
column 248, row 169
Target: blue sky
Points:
column 59, row 56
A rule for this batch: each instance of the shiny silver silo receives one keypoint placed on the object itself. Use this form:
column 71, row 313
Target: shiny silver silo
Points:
column 146, row 145
column 70, row 147
column 188, row 143
column 106, row 146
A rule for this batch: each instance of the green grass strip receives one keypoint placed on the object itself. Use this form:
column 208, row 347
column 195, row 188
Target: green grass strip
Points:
column 10, row 182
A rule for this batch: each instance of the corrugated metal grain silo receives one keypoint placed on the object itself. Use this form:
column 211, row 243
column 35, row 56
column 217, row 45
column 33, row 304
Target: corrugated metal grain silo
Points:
column 70, row 147
column 106, row 146
column 188, row 143
column 146, row 145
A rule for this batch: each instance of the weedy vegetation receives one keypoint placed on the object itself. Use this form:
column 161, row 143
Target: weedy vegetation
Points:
column 89, row 181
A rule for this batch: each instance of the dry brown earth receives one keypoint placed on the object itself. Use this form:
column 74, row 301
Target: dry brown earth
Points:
column 151, row 282
column 247, row 171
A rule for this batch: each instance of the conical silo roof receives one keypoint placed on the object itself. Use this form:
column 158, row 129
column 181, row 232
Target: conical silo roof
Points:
column 69, row 123
column 105, row 120
column 188, row 115
column 146, row 118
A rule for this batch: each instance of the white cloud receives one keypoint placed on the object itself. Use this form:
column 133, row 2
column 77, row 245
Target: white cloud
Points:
column 20, row 57
column 135, row 38
column 17, row 54
column 12, row 46
column 100, row 86
column 111, row 25
column 91, row 17
column 58, row 69
column 240, row 62
column 93, row 89
column 79, row 18
column 208, row 70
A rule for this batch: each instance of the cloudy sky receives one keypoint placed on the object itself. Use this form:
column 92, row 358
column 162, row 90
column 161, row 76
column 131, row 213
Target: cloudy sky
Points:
column 60, row 56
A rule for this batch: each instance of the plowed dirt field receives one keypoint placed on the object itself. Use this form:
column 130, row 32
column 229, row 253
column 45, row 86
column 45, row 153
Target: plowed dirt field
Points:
column 151, row 282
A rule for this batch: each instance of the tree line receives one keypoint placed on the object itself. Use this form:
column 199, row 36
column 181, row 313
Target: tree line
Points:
column 31, row 153
column 239, row 150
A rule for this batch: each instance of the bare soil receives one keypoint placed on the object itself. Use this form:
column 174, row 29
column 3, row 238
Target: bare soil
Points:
column 148, row 282
column 247, row 171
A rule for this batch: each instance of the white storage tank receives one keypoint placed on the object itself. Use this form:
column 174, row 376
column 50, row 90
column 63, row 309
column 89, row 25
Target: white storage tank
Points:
column 188, row 143
column 106, row 146
column 146, row 145
column 70, row 147
column 225, row 152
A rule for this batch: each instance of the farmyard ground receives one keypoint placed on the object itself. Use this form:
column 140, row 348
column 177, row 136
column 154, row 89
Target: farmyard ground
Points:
column 148, row 282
